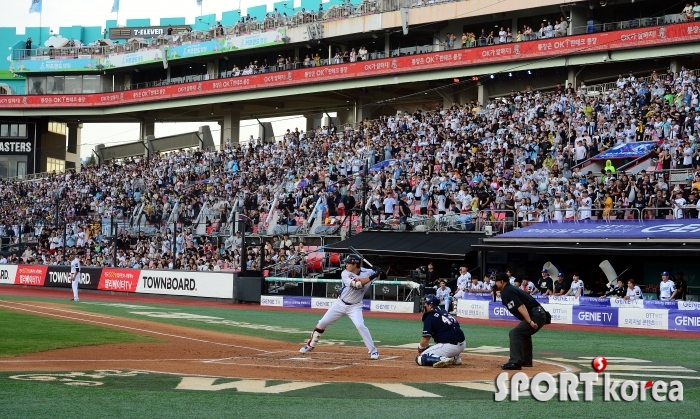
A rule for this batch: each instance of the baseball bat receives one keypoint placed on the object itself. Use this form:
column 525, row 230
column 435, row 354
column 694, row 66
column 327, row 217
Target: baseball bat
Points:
column 354, row 251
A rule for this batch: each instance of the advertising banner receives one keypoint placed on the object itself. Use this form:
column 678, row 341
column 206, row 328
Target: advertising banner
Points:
column 324, row 303
column 300, row 302
column 122, row 280
column 566, row 300
column 642, row 318
column 688, row 305
column 621, row 302
column 49, row 66
column 31, row 275
column 392, row 306
column 474, row 309
column 595, row 316
column 257, row 40
column 8, row 274
column 272, row 301
column 59, row 276
column 626, row 151
column 134, row 58
column 561, row 313
column 192, row 284
column 684, row 320
column 536, row 49
column 498, row 312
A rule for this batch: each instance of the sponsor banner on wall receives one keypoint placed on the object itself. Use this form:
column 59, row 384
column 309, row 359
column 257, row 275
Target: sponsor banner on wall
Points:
column 536, row 49
column 272, row 301
column 595, row 316
column 300, row 302
column 59, row 276
column 565, row 299
column 134, row 58
column 688, row 305
column 621, row 302
column 32, row 275
column 667, row 304
column 122, row 280
column 474, row 309
column 323, row 303
column 392, row 306
column 55, row 65
column 8, row 274
column 643, row 318
column 187, row 283
column 561, row 313
column 498, row 312
column 684, row 320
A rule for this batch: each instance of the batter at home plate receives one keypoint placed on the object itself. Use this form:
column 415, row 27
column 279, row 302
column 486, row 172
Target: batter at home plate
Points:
column 356, row 281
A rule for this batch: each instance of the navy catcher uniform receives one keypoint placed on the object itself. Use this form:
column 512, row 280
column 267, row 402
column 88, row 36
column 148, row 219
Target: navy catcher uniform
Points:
column 356, row 281
column 445, row 332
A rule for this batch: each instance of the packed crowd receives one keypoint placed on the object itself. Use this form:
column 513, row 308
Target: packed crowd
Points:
column 520, row 155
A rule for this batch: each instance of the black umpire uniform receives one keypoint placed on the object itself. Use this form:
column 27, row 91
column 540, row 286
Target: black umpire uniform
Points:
column 520, row 336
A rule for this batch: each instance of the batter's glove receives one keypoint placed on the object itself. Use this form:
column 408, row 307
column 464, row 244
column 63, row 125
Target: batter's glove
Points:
column 421, row 350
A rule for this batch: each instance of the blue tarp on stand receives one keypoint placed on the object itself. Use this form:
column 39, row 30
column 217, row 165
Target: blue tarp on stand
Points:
column 626, row 151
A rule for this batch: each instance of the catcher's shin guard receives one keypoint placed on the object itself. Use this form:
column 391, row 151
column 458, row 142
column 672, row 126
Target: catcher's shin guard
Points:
column 427, row 360
column 315, row 336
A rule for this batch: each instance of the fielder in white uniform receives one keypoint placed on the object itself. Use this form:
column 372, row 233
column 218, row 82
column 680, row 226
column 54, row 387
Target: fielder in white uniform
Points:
column 667, row 289
column 462, row 283
column 443, row 293
column 75, row 276
column 633, row 291
column 356, row 281
column 576, row 289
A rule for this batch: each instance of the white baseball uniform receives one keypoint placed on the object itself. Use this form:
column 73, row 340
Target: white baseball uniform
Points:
column 75, row 273
column 444, row 296
column 476, row 287
column 349, row 303
column 575, row 286
column 462, row 284
column 635, row 293
column 666, row 289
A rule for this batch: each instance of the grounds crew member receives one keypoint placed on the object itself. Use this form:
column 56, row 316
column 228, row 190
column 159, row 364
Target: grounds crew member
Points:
column 446, row 333
column 532, row 318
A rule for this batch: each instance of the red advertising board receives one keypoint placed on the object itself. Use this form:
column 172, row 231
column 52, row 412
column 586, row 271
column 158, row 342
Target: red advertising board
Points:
column 571, row 45
column 32, row 275
column 122, row 280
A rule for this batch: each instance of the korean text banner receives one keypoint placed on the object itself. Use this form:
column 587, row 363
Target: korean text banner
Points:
column 648, row 229
column 578, row 44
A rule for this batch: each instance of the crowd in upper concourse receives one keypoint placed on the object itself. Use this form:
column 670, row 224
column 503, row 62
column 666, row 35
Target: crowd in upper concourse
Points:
column 519, row 155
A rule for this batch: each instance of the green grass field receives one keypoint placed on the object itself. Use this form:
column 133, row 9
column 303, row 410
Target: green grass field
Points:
column 155, row 395
column 22, row 333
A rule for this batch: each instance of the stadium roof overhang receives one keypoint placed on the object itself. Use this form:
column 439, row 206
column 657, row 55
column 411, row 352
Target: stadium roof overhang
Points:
column 631, row 237
column 410, row 244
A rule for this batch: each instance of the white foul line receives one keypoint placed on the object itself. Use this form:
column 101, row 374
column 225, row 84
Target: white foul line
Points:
column 128, row 327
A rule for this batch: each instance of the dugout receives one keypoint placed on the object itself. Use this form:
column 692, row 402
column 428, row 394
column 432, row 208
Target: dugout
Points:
column 403, row 253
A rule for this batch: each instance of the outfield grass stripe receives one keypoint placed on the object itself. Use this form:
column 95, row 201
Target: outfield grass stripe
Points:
column 125, row 327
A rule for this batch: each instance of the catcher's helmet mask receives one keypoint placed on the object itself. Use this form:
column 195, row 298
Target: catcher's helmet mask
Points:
column 432, row 300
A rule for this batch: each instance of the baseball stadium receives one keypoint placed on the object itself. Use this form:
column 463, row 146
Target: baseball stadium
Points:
column 367, row 208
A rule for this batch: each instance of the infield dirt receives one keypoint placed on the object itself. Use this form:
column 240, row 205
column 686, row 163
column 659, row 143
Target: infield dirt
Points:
column 200, row 352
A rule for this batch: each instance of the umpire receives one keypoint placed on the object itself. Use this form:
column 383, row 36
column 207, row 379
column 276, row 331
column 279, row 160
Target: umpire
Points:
column 532, row 315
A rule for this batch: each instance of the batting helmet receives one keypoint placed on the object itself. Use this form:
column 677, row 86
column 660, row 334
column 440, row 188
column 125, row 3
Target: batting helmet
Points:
column 432, row 300
column 352, row 259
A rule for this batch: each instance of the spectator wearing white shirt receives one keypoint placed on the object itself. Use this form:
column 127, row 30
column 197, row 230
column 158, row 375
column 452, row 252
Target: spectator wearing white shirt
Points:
column 443, row 293
column 463, row 281
column 576, row 287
